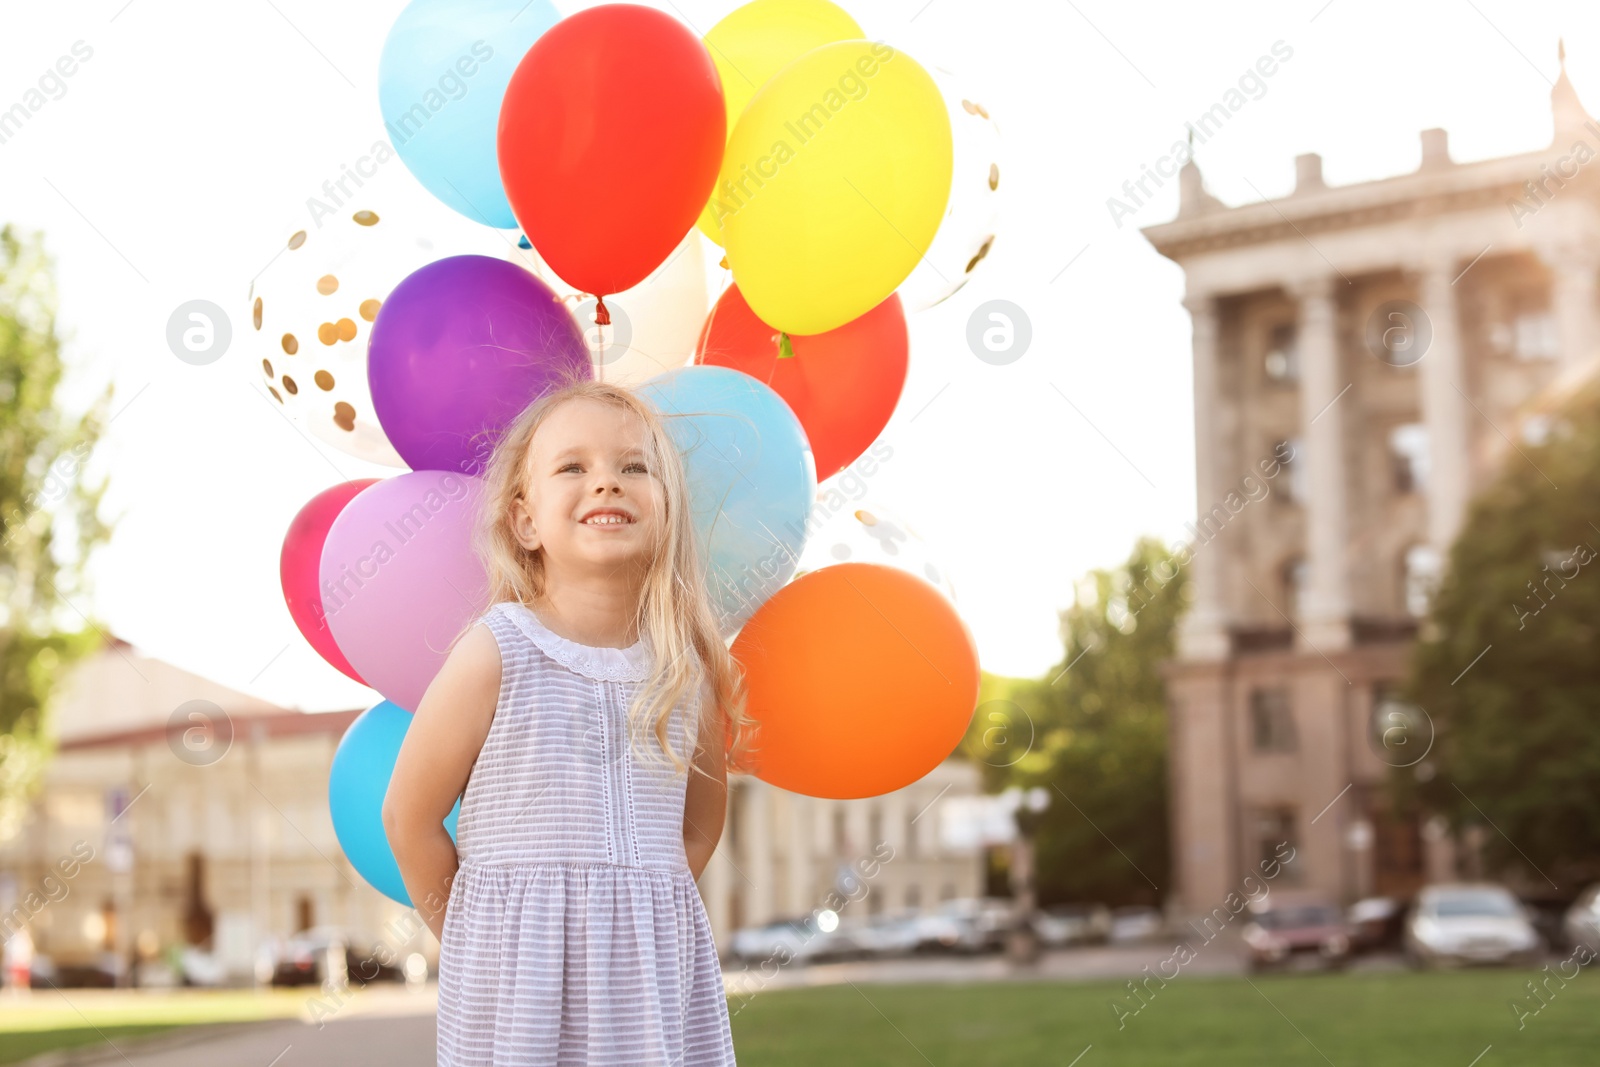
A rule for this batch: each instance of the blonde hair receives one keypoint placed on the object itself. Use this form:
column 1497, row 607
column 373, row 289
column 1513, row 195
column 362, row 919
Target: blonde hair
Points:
column 675, row 611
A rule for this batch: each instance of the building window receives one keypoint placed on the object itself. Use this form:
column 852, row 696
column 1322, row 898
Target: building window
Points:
column 1272, row 719
column 913, row 897
column 1276, row 841
column 911, row 836
column 1408, row 457
column 1419, row 578
column 1294, row 465
column 1282, row 361
column 1534, row 336
column 838, row 830
column 947, row 891
column 1293, row 579
column 874, row 828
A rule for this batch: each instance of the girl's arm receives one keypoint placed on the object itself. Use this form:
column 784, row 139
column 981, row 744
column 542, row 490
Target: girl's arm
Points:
column 705, row 802
column 440, row 748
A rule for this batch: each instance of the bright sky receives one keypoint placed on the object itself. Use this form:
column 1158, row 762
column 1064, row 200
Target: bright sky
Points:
column 184, row 150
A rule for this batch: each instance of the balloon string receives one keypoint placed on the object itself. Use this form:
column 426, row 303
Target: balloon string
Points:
column 602, row 317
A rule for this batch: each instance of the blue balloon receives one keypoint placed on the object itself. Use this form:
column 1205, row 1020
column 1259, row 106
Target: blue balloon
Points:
column 444, row 70
column 752, row 481
column 362, row 767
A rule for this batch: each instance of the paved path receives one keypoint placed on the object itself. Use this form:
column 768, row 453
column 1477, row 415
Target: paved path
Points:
column 398, row 1041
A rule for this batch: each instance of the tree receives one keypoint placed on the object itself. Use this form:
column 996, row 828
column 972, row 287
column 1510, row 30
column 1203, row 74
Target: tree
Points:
column 1093, row 732
column 1517, row 733
column 45, row 510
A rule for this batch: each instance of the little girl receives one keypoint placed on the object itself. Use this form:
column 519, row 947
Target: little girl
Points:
column 582, row 720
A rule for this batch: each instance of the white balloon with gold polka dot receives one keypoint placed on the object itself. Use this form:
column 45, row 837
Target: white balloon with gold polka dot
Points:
column 966, row 234
column 654, row 325
column 312, row 311
column 844, row 531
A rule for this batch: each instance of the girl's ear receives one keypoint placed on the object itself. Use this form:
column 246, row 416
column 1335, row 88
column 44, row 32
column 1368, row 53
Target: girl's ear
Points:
column 522, row 525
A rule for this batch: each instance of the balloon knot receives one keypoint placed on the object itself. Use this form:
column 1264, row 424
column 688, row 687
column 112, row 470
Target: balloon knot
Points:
column 785, row 349
column 602, row 317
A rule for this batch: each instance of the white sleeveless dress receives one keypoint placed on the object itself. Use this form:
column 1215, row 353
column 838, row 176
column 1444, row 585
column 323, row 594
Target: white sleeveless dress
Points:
column 575, row 933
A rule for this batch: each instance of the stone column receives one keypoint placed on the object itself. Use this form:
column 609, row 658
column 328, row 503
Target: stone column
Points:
column 1443, row 389
column 1326, row 621
column 757, row 835
column 799, row 861
column 716, row 892
column 1203, row 634
column 1573, row 269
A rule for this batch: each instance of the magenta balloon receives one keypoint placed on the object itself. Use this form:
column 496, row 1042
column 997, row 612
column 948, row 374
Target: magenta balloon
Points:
column 399, row 578
column 458, row 349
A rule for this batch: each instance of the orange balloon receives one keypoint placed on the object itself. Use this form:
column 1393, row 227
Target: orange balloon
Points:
column 862, row 679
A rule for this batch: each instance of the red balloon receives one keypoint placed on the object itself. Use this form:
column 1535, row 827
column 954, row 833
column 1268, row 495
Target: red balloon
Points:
column 300, row 563
column 843, row 385
column 611, row 134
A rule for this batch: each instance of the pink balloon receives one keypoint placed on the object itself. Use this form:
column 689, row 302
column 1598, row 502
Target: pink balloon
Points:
column 400, row 579
column 300, row 568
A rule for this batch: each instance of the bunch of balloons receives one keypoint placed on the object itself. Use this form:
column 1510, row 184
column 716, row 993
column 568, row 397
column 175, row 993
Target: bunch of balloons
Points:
column 823, row 163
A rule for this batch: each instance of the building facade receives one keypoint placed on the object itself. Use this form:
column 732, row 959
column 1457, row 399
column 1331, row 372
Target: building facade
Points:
column 784, row 855
column 1364, row 357
column 199, row 816
column 179, row 812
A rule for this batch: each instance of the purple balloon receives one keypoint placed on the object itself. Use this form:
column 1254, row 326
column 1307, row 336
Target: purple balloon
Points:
column 399, row 578
column 458, row 349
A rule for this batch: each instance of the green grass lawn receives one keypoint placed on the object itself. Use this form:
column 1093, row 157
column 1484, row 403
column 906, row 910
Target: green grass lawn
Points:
column 1363, row 1019
column 51, row 1020
column 18, row 1046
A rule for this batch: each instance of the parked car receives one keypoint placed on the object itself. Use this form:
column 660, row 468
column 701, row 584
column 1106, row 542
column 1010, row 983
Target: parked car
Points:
column 101, row 972
column 889, row 934
column 784, row 941
column 983, row 922
column 1132, row 924
column 939, row 932
column 1296, row 926
column 1072, row 924
column 1581, row 925
column 1470, row 923
column 1376, row 924
column 303, row 960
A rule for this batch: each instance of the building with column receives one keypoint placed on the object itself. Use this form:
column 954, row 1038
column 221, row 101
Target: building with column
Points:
column 177, row 811
column 1363, row 358
column 782, row 854
column 192, row 814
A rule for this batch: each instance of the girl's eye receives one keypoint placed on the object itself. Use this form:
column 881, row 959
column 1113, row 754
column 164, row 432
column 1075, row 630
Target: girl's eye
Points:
column 642, row 469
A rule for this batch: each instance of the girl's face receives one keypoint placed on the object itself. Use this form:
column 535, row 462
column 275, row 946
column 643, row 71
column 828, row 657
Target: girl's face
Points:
column 590, row 500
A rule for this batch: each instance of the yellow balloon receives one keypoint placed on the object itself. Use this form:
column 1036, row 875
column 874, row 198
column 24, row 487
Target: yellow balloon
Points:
column 834, row 184
column 759, row 39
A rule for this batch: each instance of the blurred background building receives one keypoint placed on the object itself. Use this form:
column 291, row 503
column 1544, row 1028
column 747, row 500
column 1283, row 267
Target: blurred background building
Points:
column 1362, row 357
column 207, row 814
column 782, row 854
column 208, row 817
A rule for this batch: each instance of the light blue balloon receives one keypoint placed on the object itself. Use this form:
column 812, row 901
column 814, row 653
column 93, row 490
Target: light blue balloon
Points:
column 752, row 481
column 444, row 70
column 362, row 767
